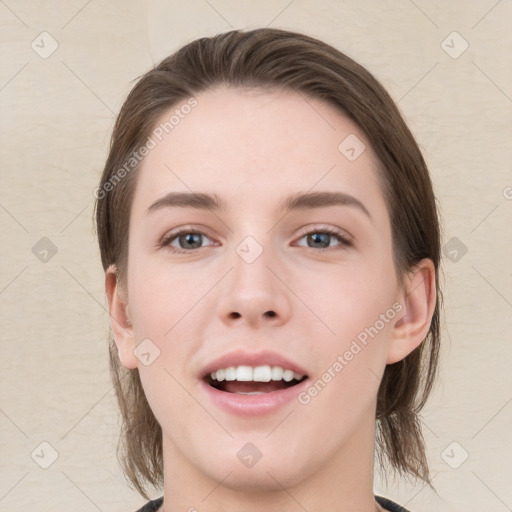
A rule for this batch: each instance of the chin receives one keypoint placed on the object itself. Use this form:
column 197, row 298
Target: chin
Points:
column 257, row 481
column 268, row 473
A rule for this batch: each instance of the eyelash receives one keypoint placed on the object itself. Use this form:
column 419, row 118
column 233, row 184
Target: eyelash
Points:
column 166, row 241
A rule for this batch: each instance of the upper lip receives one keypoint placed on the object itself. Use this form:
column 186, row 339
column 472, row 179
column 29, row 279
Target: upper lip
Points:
column 242, row 357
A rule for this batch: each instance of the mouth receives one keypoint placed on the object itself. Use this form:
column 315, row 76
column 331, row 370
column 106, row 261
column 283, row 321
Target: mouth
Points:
column 253, row 384
column 253, row 380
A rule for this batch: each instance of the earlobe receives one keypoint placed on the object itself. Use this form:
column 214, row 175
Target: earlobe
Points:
column 419, row 300
column 120, row 321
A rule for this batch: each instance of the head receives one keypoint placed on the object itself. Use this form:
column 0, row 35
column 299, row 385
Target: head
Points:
column 253, row 118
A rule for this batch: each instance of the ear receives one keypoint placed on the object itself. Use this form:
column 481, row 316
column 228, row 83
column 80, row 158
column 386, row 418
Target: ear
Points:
column 120, row 322
column 419, row 299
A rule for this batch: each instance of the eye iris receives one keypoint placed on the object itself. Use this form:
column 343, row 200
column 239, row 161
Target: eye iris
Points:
column 320, row 237
column 189, row 238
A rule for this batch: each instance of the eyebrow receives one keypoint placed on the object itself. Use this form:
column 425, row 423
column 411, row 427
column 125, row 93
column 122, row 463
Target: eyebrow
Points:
column 298, row 201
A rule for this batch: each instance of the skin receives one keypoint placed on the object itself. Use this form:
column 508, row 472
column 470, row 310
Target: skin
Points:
column 253, row 148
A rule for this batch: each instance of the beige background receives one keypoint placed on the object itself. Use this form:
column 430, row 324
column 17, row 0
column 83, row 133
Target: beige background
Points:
column 57, row 113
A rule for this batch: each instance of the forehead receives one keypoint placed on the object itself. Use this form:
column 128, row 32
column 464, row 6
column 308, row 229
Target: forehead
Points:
column 252, row 145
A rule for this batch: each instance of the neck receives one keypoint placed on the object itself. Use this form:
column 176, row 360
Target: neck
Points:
column 342, row 482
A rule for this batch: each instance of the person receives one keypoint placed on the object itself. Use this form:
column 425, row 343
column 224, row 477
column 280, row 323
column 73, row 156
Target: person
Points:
column 271, row 245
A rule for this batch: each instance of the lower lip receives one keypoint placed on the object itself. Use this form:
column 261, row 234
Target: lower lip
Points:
column 253, row 405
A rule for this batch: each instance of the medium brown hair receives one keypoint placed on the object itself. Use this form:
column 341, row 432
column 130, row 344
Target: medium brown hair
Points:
column 279, row 59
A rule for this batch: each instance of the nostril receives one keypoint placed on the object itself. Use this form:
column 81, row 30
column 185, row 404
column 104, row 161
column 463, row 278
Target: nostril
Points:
column 270, row 313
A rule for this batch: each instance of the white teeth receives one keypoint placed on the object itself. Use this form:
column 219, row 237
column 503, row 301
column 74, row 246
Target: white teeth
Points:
column 255, row 374
column 262, row 374
column 287, row 375
column 243, row 373
column 230, row 373
column 277, row 373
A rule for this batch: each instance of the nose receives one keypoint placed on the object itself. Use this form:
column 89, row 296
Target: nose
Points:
column 253, row 292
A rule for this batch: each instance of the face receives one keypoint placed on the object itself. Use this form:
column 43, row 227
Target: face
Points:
column 310, row 289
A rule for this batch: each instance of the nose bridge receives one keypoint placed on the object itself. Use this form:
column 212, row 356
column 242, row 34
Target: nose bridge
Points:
column 253, row 292
column 255, row 248
column 251, row 274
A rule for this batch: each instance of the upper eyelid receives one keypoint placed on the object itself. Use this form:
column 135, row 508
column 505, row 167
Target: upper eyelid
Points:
column 185, row 229
column 203, row 230
column 333, row 229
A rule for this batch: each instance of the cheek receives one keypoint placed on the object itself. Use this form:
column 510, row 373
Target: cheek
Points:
column 164, row 302
column 358, row 309
column 352, row 298
column 162, row 296
column 352, row 360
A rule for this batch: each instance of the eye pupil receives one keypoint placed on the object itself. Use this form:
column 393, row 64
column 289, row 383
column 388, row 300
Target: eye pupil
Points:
column 319, row 238
column 189, row 238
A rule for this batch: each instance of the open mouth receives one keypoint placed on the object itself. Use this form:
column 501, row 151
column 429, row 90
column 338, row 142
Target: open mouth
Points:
column 253, row 381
